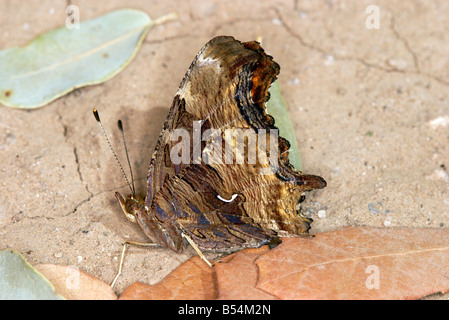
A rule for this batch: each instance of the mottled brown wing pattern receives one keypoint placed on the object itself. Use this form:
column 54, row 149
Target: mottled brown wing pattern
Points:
column 212, row 223
column 197, row 100
column 223, row 207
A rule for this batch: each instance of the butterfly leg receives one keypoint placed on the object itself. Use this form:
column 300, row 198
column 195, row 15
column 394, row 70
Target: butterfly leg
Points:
column 142, row 244
column 196, row 248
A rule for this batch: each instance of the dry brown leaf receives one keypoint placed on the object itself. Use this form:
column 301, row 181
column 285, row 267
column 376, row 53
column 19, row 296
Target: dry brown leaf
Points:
column 352, row 263
column 358, row 263
column 73, row 284
column 193, row 280
column 237, row 276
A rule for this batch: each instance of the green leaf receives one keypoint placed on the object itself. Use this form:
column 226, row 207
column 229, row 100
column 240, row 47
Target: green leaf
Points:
column 59, row 61
column 277, row 108
column 20, row 281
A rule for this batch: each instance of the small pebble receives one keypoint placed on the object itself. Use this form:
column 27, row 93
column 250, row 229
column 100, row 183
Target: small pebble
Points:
column 321, row 214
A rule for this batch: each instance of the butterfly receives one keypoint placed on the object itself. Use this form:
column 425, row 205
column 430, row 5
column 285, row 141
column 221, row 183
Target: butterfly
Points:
column 239, row 200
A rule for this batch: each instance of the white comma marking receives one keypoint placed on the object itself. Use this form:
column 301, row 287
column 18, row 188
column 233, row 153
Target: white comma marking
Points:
column 230, row 200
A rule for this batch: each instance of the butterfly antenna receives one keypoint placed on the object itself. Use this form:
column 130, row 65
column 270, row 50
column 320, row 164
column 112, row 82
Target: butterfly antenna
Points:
column 120, row 126
column 97, row 117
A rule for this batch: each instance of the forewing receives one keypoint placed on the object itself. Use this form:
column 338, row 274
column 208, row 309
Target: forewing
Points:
column 226, row 205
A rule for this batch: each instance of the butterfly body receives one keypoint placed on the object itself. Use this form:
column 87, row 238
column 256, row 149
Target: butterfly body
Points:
column 223, row 197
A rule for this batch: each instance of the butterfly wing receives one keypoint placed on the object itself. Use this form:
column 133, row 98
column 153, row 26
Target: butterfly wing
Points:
column 224, row 203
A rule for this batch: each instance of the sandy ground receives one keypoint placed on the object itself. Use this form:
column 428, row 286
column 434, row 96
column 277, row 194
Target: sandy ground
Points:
column 370, row 107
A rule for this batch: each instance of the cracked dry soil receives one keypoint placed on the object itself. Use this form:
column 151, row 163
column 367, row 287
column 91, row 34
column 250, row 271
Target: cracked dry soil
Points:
column 370, row 108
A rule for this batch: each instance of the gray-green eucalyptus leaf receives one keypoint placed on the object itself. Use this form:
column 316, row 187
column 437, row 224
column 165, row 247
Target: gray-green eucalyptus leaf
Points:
column 277, row 108
column 20, row 281
column 59, row 61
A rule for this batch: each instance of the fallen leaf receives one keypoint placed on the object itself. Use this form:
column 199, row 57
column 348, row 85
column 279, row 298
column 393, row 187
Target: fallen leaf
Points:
column 237, row 276
column 59, row 61
column 358, row 263
column 193, row 280
column 277, row 108
column 352, row 263
column 73, row 284
column 20, row 281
